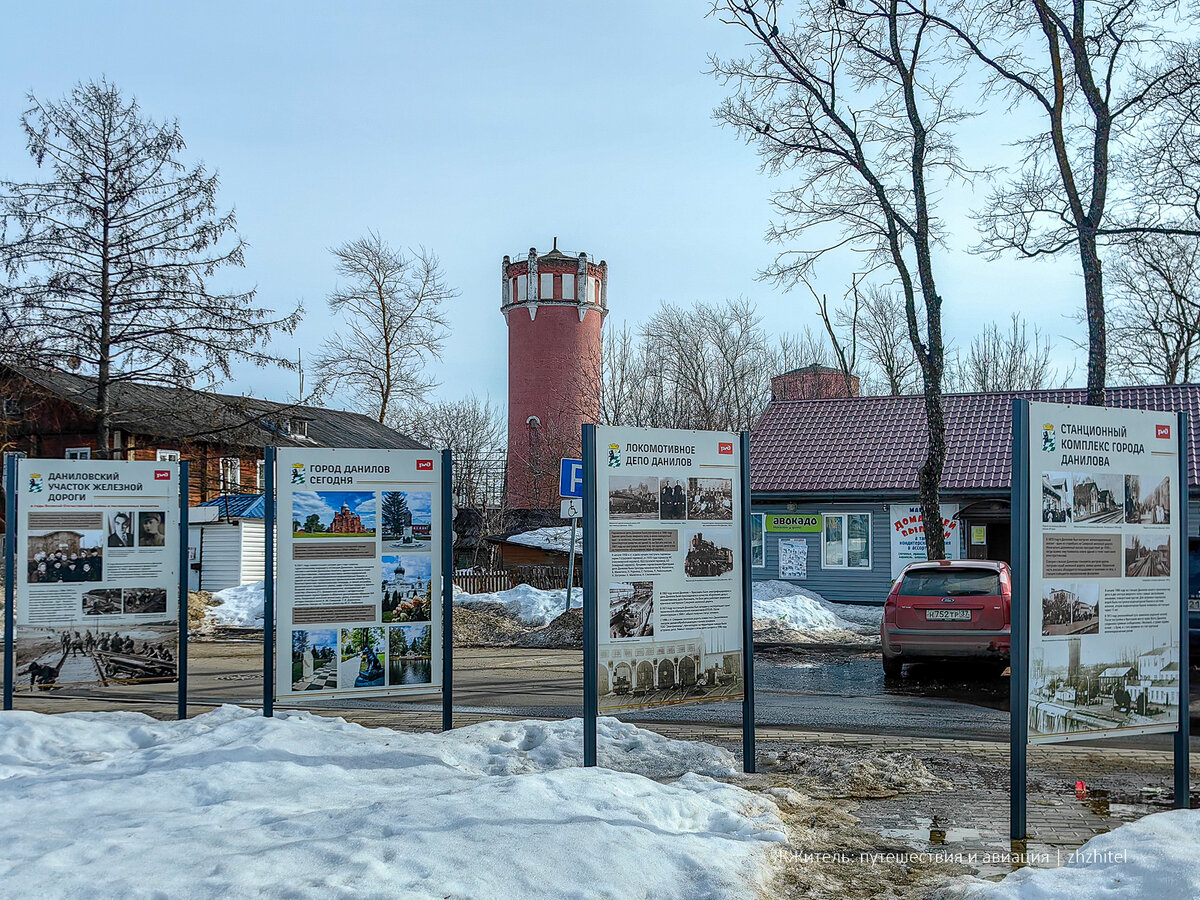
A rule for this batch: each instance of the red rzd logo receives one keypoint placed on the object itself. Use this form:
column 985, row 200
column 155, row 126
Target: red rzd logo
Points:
column 725, row 447
column 424, row 465
column 162, row 475
column 1162, row 431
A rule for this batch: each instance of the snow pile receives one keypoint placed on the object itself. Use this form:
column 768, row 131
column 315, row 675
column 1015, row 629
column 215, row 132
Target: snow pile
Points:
column 529, row 604
column 232, row 804
column 805, row 610
column 238, row 607
column 1152, row 857
column 556, row 537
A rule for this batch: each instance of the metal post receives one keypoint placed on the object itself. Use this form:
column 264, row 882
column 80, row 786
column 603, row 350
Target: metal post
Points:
column 591, row 636
column 1018, row 681
column 571, row 563
column 447, row 591
column 748, row 760
column 10, row 575
column 269, row 583
column 181, row 655
column 1183, row 787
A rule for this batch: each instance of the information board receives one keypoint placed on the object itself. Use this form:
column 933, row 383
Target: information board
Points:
column 1104, row 572
column 97, row 572
column 358, row 578
column 669, row 567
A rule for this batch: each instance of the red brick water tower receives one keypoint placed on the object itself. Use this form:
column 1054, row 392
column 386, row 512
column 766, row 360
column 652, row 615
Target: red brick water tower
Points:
column 555, row 306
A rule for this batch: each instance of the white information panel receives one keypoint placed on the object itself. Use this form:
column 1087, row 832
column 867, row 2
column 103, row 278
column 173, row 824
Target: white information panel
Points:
column 97, row 572
column 358, row 583
column 1104, row 572
column 669, row 567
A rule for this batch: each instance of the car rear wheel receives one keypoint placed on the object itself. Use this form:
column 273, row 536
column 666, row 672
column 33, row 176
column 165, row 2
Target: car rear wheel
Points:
column 892, row 666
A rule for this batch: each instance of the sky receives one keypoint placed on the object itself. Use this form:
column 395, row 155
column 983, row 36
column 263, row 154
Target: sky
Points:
column 476, row 130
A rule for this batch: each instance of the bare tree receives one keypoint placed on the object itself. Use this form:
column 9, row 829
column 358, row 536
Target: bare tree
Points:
column 108, row 261
column 1114, row 87
column 707, row 366
column 1011, row 360
column 393, row 325
column 881, row 324
column 1156, row 322
column 868, row 331
column 474, row 429
column 856, row 101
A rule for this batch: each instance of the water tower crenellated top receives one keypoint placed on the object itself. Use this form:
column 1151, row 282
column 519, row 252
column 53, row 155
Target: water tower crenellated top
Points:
column 554, row 278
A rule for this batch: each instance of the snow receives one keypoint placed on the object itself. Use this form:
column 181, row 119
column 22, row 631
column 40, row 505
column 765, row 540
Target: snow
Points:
column 238, row 607
column 806, row 610
column 531, row 605
column 1152, row 857
column 232, row 804
column 556, row 537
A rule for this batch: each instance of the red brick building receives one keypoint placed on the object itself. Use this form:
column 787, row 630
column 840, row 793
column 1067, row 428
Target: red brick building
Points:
column 555, row 306
column 52, row 414
column 346, row 522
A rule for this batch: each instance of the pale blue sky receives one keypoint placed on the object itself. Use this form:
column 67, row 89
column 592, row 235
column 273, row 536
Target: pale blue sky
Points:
column 476, row 130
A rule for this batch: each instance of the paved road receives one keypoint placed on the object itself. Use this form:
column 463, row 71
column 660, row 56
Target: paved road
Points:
column 828, row 690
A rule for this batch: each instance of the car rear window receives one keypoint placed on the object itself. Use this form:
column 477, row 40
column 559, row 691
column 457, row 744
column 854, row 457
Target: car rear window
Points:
column 951, row 583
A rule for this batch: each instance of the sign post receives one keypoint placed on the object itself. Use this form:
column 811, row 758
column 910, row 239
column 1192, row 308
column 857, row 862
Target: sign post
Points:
column 10, row 574
column 1099, row 616
column 447, row 591
column 748, row 755
column 182, row 655
column 1018, row 628
column 269, row 541
column 667, row 552
column 591, row 590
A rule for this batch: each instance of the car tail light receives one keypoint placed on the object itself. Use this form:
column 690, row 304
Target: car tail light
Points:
column 1006, row 595
column 889, row 607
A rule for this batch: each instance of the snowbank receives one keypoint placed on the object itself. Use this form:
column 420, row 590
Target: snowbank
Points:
column 232, row 804
column 531, row 605
column 806, row 610
column 555, row 537
column 1152, row 857
column 238, row 607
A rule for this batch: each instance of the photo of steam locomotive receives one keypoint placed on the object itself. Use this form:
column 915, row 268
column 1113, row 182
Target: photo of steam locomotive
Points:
column 708, row 557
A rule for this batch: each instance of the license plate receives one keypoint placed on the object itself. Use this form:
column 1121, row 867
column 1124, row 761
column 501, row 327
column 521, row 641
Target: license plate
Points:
column 1193, row 604
column 947, row 615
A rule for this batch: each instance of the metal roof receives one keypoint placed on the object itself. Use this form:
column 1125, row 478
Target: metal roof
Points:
column 875, row 444
column 182, row 414
column 239, row 506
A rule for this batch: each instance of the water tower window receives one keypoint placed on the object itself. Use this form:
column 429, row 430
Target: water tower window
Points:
column 521, row 281
column 568, row 287
column 547, row 292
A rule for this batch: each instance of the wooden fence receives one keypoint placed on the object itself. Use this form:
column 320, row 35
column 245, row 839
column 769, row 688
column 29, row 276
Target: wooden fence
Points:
column 546, row 578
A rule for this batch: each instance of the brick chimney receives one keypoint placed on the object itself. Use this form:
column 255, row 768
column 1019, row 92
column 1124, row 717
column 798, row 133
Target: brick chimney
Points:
column 812, row 383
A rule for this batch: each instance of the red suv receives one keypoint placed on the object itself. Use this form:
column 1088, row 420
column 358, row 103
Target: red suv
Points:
column 947, row 608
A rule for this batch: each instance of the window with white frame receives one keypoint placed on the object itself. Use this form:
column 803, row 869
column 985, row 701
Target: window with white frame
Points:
column 79, row 453
column 166, row 455
column 846, row 541
column 547, row 291
column 758, row 546
column 231, row 474
column 568, row 287
column 259, row 478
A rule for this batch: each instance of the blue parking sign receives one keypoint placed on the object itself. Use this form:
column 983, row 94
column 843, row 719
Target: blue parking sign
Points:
column 570, row 478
